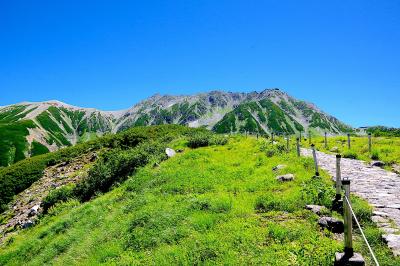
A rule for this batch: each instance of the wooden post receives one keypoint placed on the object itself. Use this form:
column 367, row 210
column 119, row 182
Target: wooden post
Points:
column 298, row 147
column 315, row 159
column 338, row 178
column 369, row 143
column 257, row 135
column 348, row 141
column 348, row 221
column 326, row 141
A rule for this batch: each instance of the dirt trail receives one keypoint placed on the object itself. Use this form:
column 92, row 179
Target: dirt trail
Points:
column 25, row 209
column 379, row 187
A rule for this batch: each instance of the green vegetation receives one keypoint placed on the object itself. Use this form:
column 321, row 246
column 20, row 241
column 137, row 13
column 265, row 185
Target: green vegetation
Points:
column 13, row 144
column 381, row 131
column 38, row 149
column 211, row 205
column 386, row 149
column 19, row 176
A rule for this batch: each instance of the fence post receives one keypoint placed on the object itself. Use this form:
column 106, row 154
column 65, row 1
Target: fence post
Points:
column 287, row 143
column 300, row 136
column 348, row 141
column 315, row 159
column 298, row 147
column 272, row 137
column 309, row 137
column 326, row 142
column 348, row 221
column 369, row 143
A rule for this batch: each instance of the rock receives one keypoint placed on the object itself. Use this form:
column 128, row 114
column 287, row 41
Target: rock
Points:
column 377, row 163
column 393, row 242
column 316, row 209
column 396, row 168
column 379, row 213
column 378, row 219
column 26, row 224
column 287, row 177
column 278, row 167
column 179, row 150
column 170, row 152
column 34, row 210
column 93, row 157
column 332, row 224
column 334, row 149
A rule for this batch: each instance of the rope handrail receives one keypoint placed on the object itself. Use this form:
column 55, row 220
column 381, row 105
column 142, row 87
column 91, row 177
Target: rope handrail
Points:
column 362, row 232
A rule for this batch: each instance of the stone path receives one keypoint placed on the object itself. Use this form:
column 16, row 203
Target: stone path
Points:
column 379, row 187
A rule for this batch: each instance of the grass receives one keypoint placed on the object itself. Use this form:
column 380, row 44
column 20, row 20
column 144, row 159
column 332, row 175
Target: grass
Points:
column 386, row 149
column 211, row 205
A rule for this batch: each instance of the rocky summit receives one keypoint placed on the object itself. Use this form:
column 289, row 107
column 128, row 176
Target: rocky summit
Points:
column 32, row 128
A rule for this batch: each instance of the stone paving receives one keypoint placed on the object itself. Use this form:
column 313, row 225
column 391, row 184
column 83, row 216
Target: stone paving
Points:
column 379, row 187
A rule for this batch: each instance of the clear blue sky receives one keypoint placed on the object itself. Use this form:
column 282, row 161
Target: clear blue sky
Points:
column 342, row 55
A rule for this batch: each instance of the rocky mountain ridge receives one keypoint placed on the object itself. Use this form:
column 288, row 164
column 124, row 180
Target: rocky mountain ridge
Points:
column 32, row 128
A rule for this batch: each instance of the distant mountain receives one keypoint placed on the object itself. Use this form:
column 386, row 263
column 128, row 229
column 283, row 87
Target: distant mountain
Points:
column 28, row 129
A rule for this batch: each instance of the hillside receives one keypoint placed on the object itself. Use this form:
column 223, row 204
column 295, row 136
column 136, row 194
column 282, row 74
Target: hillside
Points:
column 214, row 202
column 29, row 129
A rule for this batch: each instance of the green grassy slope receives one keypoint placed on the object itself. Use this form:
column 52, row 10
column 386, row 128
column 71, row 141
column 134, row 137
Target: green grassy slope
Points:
column 212, row 205
column 13, row 144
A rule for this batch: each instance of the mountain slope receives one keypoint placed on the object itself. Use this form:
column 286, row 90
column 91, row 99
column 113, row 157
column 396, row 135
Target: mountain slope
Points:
column 33, row 128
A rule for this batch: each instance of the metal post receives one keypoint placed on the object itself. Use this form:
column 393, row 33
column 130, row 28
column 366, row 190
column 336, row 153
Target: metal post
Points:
column 369, row 143
column 287, row 142
column 326, row 141
column 348, row 141
column 309, row 137
column 315, row 159
column 298, row 147
column 300, row 136
column 272, row 137
column 348, row 221
column 257, row 135
column 338, row 178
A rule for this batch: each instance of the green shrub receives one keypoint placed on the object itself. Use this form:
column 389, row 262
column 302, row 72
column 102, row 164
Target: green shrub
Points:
column 375, row 155
column 204, row 139
column 56, row 196
column 316, row 191
column 115, row 166
column 350, row 155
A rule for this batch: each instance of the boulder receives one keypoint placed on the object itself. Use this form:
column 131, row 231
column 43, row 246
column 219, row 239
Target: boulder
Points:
column 317, row 209
column 377, row 163
column 334, row 225
column 278, row 167
column 34, row 210
column 287, row 177
column 170, row 152
column 26, row 224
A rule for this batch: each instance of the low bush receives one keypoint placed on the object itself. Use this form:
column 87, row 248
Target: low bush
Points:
column 375, row 155
column 115, row 166
column 204, row 139
column 275, row 202
column 350, row 155
column 55, row 196
column 316, row 191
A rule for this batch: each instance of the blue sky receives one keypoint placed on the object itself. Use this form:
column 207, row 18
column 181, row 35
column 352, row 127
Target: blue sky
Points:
column 342, row 55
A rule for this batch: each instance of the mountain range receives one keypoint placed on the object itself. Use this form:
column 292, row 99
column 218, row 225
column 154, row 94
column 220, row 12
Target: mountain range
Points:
column 32, row 128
